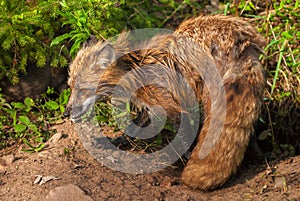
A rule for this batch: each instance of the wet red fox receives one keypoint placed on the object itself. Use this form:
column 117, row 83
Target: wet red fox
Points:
column 229, row 44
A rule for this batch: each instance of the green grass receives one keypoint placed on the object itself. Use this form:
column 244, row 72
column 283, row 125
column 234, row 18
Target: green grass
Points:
column 278, row 22
column 280, row 26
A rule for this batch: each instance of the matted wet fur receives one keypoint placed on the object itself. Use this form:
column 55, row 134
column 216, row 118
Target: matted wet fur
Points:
column 227, row 43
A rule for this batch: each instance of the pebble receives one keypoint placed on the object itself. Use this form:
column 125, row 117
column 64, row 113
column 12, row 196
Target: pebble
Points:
column 69, row 192
column 55, row 138
column 6, row 161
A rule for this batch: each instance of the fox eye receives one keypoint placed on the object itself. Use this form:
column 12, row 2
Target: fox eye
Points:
column 83, row 90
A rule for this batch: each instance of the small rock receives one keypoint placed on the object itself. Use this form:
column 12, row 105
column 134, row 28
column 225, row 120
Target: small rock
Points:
column 2, row 164
column 6, row 161
column 9, row 159
column 41, row 179
column 48, row 178
column 55, row 138
column 38, row 179
column 69, row 192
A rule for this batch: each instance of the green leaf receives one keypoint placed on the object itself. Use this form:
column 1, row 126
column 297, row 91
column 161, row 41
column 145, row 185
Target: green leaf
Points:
column 80, row 38
column 20, row 128
column 50, row 90
column 33, row 127
column 52, row 105
column 39, row 147
column 29, row 102
column 19, row 105
column 121, row 114
column 102, row 119
column 39, row 139
column 63, row 3
column 278, row 65
column 61, row 38
column 264, row 135
column 8, row 42
column 168, row 127
column 159, row 139
column 62, row 108
column 64, row 97
column 28, row 150
column 27, row 143
column 25, row 120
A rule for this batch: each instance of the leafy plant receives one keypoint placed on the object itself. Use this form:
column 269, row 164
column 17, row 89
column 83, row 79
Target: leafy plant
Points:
column 31, row 147
column 54, row 108
column 30, row 120
column 44, row 33
column 27, row 28
column 108, row 18
column 278, row 22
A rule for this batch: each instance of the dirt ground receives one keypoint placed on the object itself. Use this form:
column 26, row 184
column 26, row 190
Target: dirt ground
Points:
column 70, row 163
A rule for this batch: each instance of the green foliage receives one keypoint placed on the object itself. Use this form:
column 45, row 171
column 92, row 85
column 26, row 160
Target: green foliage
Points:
column 107, row 18
column 278, row 21
column 118, row 119
column 284, row 45
column 45, row 32
column 29, row 120
column 27, row 28
column 32, row 148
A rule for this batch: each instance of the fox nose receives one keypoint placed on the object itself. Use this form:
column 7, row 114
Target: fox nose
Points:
column 67, row 112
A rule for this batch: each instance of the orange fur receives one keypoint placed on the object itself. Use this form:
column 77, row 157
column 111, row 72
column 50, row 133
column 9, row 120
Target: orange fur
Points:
column 230, row 44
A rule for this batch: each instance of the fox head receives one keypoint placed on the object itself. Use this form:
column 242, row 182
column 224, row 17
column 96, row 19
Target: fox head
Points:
column 85, row 77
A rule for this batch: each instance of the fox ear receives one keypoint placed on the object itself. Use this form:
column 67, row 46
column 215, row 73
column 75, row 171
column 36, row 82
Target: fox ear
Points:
column 106, row 56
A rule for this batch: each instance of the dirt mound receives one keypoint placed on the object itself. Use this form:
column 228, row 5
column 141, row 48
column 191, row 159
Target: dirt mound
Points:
column 66, row 162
